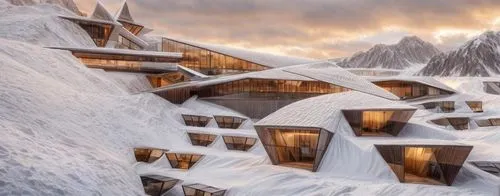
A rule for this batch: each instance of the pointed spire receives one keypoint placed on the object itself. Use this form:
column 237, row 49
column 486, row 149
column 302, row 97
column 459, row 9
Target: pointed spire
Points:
column 101, row 13
column 124, row 13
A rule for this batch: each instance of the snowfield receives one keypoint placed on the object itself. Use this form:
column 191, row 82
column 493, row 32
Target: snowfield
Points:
column 70, row 130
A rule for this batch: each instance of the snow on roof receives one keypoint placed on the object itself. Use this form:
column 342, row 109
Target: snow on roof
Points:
column 331, row 73
column 264, row 59
column 192, row 72
column 405, row 141
column 203, row 107
column 277, row 74
column 124, row 13
column 101, row 13
column 92, row 20
column 127, row 34
column 423, row 80
column 117, row 51
column 324, row 111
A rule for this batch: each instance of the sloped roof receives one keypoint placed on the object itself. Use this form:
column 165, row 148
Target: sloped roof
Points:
column 268, row 60
column 423, row 80
column 90, row 20
column 124, row 13
column 127, row 34
column 117, row 51
column 101, row 13
column 325, row 111
column 276, row 74
column 331, row 73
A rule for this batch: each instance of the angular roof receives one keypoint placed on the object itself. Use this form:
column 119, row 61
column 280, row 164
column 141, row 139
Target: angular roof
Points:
column 115, row 51
column 423, row 80
column 101, row 13
column 124, row 13
column 127, row 34
column 324, row 111
column 268, row 60
column 331, row 73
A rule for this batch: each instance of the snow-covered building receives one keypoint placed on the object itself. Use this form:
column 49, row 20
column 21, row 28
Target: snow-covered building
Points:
column 109, row 31
column 435, row 164
column 158, row 185
column 299, row 134
column 408, row 88
column 258, row 94
column 211, row 59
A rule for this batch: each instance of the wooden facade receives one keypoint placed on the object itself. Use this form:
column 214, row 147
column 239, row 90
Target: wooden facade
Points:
column 230, row 122
column 148, row 155
column 239, row 143
column 444, row 106
column 425, row 164
column 488, row 122
column 131, row 26
column 209, row 62
column 410, row 90
column 377, row 122
column 202, row 190
column 157, row 185
column 297, row 147
column 166, row 79
column 183, row 160
column 196, row 121
column 202, row 139
column 458, row 123
column 255, row 98
column 99, row 32
column 475, row 106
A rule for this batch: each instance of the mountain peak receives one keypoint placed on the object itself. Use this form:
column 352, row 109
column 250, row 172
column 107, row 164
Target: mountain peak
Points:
column 408, row 51
column 477, row 57
column 411, row 39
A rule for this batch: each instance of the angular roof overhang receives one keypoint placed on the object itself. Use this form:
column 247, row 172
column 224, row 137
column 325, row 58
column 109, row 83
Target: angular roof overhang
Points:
column 331, row 73
column 263, row 59
column 429, row 81
column 324, row 111
column 118, row 54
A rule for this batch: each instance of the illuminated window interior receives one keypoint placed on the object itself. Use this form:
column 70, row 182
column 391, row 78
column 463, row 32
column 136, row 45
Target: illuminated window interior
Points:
column 183, row 160
column 148, row 155
column 410, row 90
column 196, row 121
column 202, row 190
column 201, row 139
column 444, row 106
column 99, row 32
column 425, row 164
column 475, row 106
column 157, row 185
column 239, row 143
column 209, row 62
column 230, row 122
column 160, row 80
column 377, row 122
column 133, row 28
column 295, row 147
column 286, row 88
column 458, row 123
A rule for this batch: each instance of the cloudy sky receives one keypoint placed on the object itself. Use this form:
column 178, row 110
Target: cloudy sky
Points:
column 313, row 28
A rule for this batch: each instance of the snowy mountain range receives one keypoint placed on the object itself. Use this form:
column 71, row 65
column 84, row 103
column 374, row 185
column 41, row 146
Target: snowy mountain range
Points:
column 477, row 57
column 407, row 52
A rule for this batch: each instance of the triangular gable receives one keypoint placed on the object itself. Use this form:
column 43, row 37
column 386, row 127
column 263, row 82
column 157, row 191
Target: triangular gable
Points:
column 124, row 13
column 101, row 13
